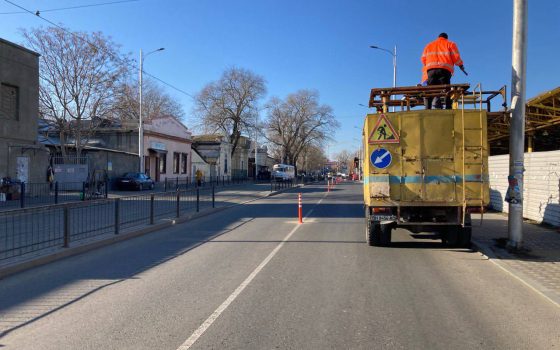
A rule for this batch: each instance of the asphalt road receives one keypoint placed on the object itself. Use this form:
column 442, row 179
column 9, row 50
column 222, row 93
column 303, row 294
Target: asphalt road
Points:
column 250, row 277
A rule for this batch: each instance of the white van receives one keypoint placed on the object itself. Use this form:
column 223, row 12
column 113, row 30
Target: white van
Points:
column 283, row 172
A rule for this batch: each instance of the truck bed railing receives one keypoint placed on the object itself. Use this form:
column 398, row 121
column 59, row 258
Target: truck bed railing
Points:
column 407, row 97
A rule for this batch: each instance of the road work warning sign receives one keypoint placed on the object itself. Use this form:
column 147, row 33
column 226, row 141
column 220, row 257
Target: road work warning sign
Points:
column 383, row 132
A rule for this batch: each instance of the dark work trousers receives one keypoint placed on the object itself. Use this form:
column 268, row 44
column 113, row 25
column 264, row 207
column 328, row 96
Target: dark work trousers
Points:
column 438, row 76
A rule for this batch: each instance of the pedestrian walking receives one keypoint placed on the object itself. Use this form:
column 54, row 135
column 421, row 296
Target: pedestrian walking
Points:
column 198, row 177
column 439, row 58
column 50, row 176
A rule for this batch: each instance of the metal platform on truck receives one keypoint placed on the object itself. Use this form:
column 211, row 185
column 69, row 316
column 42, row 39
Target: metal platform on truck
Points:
column 412, row 96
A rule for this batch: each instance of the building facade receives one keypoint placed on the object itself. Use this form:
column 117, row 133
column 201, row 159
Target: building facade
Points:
column 216, row 151
column 114, row 148
column 167, row 149
column 198, row 163
column 22, row 157
column 240, row 157
column 263, row 168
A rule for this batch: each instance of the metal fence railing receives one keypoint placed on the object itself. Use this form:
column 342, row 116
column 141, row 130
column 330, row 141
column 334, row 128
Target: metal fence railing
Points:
column 28, row 230
column 36, row 229
column 25, row 195
column 183, row 183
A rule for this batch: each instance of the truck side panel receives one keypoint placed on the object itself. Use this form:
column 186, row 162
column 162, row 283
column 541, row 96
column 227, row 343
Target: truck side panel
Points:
column 430, row 158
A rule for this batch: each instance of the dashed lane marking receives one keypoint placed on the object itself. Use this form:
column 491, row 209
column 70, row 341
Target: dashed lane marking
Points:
column 231, row 298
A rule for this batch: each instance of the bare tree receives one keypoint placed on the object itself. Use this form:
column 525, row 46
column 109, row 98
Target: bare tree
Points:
column 229, row 105
column 78, row 78
column 298, row 122
column 155, row 102
column 313, row 158
column 344, row 159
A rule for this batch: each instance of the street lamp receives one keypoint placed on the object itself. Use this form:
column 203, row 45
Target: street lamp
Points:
column 256, row 143
column 140, row 126
column 394, row 54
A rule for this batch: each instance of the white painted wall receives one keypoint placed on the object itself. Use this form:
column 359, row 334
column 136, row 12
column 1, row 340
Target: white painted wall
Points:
column 542, row 185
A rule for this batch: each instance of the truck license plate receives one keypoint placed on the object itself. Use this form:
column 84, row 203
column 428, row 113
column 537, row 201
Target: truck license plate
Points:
column 377, row 217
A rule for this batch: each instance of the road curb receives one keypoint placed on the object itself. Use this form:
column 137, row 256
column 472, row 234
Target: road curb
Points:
column 531, row 283
column 86, row 247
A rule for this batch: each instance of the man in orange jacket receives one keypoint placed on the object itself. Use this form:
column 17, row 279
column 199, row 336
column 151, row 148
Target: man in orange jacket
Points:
column 439, row 58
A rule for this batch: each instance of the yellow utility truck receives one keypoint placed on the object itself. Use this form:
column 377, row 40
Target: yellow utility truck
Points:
column 426, row 170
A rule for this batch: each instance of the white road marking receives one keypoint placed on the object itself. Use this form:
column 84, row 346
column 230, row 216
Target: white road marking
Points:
column 214, row 316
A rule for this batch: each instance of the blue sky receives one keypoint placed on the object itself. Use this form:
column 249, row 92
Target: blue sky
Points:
column 320, row 45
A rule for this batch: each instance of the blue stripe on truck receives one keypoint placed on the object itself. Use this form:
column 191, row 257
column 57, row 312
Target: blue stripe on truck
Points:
column 427, row 179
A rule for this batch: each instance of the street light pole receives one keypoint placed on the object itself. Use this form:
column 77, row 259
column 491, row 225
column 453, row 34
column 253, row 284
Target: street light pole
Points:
column 395, row 66
column 140, row 125
column 394, row 54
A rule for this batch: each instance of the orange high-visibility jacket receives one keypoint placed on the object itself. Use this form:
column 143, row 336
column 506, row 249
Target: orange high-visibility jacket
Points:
column 441, row 53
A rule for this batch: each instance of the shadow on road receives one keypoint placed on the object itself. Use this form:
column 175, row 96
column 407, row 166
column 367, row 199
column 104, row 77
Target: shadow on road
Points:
column 32, row 295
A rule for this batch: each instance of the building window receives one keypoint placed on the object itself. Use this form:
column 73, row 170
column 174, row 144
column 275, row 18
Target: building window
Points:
column 9, row 102
column 184, row 163
column 162, row 163
column 225, row 166
column 176, row 159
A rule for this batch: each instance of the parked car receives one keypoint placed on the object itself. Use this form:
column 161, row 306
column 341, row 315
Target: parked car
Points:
column 135, row 181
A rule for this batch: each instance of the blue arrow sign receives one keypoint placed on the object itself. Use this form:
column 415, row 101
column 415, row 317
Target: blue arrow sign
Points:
column 381, row 158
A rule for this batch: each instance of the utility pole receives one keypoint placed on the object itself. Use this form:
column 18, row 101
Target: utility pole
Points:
column 517, row 128
column 256, row 144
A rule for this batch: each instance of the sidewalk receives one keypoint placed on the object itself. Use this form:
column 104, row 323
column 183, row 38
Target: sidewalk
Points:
column 538, row 265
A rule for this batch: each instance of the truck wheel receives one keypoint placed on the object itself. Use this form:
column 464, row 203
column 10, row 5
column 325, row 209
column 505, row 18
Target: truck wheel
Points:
column 466, row 233
column 373, row 231
column 452, row 236
column 385, row 235
column 369, row 229
column 369, row 233
column 465, row 237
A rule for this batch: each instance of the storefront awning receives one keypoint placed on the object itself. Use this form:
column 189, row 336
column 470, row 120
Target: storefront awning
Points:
column 158, row 151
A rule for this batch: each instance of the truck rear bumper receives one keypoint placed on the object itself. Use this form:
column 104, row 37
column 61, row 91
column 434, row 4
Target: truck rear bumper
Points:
column 425, row 215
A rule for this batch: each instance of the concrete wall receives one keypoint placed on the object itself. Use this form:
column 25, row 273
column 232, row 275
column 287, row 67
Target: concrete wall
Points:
column 542, row 185
column 19, row 73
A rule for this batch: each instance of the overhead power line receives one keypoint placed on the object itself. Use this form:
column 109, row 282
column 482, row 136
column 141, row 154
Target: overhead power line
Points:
column 121, row 60
column 70, row 7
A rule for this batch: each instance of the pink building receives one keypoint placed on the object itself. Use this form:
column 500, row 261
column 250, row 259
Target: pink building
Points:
column 167, row 149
